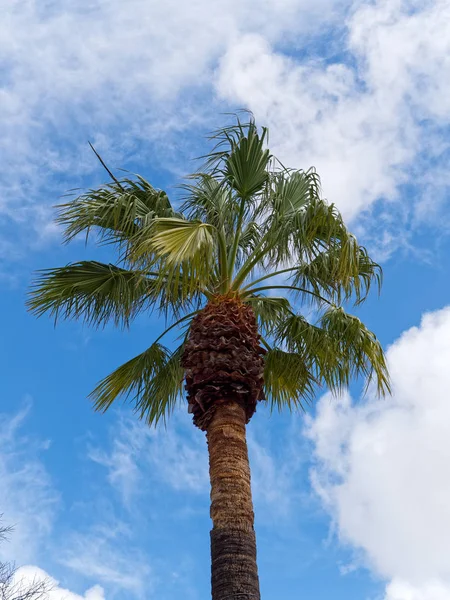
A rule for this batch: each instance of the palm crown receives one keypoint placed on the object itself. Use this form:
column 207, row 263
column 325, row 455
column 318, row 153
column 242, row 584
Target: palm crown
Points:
column 247, row 228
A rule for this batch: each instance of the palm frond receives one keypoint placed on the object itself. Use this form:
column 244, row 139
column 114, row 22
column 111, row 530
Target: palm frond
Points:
column 290, row 191
column 337, row 349
column 179, row 240
column 299, row 224
column 336, row 274
column 117, row 210
column 288, row 383
column 95, row 292
column 240, row 158
column 184, row 252
column 269, row 311
column 296, row 223
column 251, row 235
column 164, row 390
column 359, row 351
column 151, row 381
column 209, row 200
column 246, row 165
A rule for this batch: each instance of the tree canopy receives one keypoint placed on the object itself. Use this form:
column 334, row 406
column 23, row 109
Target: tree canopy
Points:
column 246, row 227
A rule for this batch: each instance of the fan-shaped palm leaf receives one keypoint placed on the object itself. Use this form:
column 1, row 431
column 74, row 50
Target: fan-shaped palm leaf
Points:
column 151, row 381
column 116, row 210
column 288, row 383
column 95, row 292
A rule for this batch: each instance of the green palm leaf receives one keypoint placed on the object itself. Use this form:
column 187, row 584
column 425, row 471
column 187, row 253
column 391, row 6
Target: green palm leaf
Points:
column 336, row 274
column 184, row 251
column 117, row 210
column 208, row 200
column 299, row 224
column 359, row 351
column 251, row 235
column 246, row 165
column 151, row 381
column 270, row 311
column 164, row 390
column 240, row 158
column 179, row 240
column 337, row 349
column 95, row 292
column 288, row 383
column 291, row 191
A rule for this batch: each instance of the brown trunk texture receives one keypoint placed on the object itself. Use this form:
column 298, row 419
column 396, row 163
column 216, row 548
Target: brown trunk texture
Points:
column 234, row 572
column 224, row 381
column 223, row 360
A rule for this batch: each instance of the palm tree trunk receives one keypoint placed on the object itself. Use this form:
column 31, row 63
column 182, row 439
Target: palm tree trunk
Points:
column 224, row 368
column 234, row 573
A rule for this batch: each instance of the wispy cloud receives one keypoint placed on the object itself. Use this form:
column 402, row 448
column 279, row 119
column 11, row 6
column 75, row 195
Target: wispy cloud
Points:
column 28, row 498
column 175, row 456
column 278, row 467
column 30, row 502
column 113, row 74
column 105, row 553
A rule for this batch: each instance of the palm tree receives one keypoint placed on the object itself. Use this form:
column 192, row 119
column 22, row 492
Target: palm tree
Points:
column 247, row 229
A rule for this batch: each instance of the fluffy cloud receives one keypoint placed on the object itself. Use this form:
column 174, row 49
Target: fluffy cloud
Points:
column 319, row 117
column 369, row 119
column 365, row 105
column 381, row 466
column 28, row 575
column 400, row 590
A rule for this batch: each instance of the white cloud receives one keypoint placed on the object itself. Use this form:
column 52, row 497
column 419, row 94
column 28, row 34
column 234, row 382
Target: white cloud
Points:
column 365, row 106
column 400, row 590
column 29, row 502
column 320, row 118
column 366, row 121
column 175, row 456
column 28, row 575
column 381, row 466
column 111, row 72
column 103, row 553
column 28, row 499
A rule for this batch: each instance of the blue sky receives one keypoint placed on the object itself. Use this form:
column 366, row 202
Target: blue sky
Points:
column 352, row 499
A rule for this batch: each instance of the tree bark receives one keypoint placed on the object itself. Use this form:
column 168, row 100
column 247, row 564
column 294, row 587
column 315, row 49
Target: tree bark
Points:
column 234, row 573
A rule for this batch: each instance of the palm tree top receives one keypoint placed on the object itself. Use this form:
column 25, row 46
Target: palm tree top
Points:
column 247, row 228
